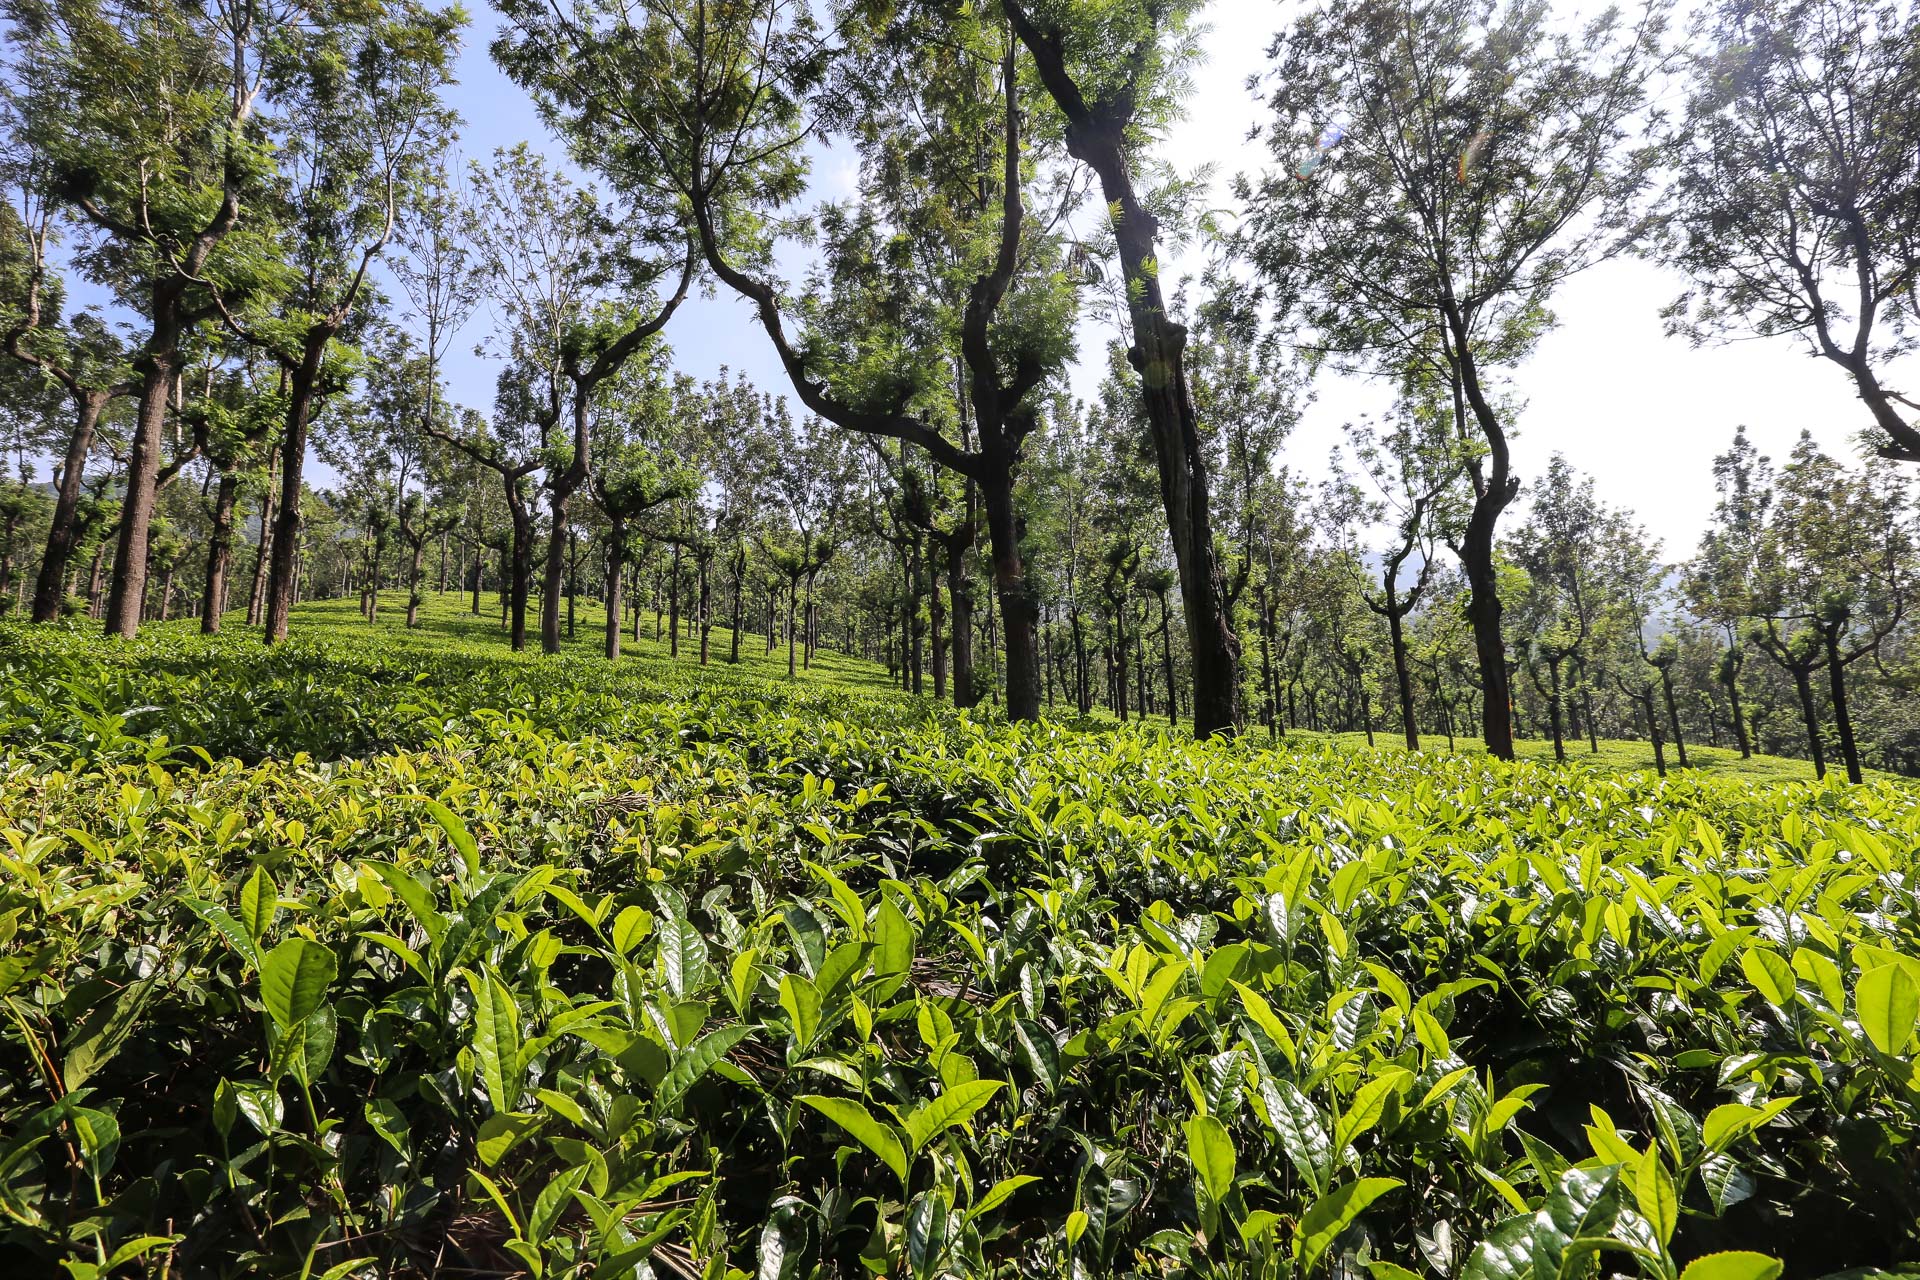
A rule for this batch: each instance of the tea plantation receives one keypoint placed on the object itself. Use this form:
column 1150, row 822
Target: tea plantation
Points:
column 389, row 954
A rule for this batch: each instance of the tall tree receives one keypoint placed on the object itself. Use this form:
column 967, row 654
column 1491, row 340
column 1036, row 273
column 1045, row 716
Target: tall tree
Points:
column 146, row 118
column 82, row 357
column 1113, row 72
column 1472, row 162
column 1841, row 556
column 1559, row 546
column 1793, row 203
column 359, row 123
column 575, row 280
column 1415, row 464
column 712, row 104
column 1727, row 570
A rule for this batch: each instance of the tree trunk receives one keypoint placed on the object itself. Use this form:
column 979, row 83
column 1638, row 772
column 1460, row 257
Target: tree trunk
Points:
column 1810, row 717
column 127, row 594
column 937, row 619
column 1082, row 672
column 1732, row 681
column 1166, row 663
column 793, row 602
column 1158, row 355
column 960, row 596
column 573, row 577
column 739, row 603
column 1403, row 678
column 419, row 548
column 1653, row 730
column 293, row 458
column 219, row 552
column 616, row 570
column 1673, row 716
column 706, row 613
column 49, row 590
column 520, row 554
column 1483, row 611
column 673, row 605
column 262, row 552
column 1018, row 607
column 556, row 566
column 1842, row 717
column 1554, row 714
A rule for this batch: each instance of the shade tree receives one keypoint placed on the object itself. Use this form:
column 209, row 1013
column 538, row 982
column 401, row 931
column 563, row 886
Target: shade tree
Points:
column 1482, row 158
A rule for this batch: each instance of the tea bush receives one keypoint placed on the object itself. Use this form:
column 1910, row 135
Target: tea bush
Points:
column 545, row 968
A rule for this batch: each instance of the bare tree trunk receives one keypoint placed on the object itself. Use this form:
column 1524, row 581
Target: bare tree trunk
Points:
column 1403, row 678
column 1673, row 716
column 49, row 590
column 937, row 619
column 1842, row 717
column 127, row 593
column 706, row 611
column 1019, row 610
column 257, row 600
column 793, row 600
column 673, row 605
column 616, row 569
column 739, row 602
column 219, row 552
column 293, row 458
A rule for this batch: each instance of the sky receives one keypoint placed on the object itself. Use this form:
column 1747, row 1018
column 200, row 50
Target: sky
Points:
column 1642, row 413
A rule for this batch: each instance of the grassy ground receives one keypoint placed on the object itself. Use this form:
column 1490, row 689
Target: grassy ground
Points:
column 1613, row 754
column 451, row 628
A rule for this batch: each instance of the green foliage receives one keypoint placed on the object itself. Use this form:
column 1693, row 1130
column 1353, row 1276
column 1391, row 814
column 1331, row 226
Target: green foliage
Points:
column 560, row 968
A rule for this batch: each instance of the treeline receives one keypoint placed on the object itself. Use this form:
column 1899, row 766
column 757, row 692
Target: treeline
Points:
column 280, row 253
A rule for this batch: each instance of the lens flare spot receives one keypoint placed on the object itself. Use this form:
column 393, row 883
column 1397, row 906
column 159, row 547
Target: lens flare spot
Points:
column 1470, row 157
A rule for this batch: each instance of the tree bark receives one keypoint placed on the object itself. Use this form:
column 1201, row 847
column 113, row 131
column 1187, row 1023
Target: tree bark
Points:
column 706, row 614
column 63, row 533
column 1810, row 717
column 616, row 570
column 301, row 383
column 1842, row 717
column 1403, row 679
column 1673, row 717
column 1166, row 661
column 127, row 592
column 1095, row 134
column 1019, row 610
column 219, row 552
column 936, row 627
column 739, row 602
column 257, row 598
column 673, row 605
column 1554, row 713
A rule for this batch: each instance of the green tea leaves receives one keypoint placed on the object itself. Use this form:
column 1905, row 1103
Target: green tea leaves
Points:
column 863, row 1128
column 1733, row 1265
column 293, row 980
column 1887, row 1002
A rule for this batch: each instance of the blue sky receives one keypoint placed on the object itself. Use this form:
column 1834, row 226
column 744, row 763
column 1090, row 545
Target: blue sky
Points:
column 706, row 333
